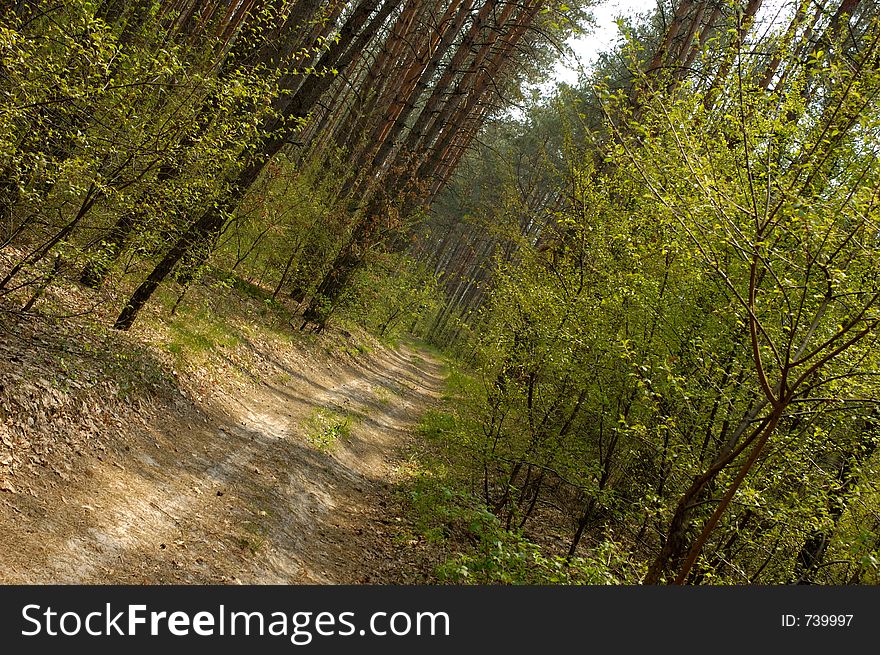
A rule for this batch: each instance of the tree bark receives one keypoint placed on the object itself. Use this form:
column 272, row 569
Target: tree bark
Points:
column 353, row 36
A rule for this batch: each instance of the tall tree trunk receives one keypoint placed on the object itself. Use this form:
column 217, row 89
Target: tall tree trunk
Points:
column 354, row 36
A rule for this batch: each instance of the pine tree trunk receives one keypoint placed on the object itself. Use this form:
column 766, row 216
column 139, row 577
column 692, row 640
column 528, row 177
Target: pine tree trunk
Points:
column 354, row 35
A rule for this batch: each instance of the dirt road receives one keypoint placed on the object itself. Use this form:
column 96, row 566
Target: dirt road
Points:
column 291, row 481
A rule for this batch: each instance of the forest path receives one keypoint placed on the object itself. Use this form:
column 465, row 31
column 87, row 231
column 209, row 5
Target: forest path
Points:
column 252, row 491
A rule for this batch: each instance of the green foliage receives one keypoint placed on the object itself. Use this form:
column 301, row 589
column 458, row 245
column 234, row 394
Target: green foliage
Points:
column 662, row 285
column 711, row 272
column 391, row 296
column 325, row 427
column 111, row 140
column 502, row 557
column 288, row 228
column 479, row 549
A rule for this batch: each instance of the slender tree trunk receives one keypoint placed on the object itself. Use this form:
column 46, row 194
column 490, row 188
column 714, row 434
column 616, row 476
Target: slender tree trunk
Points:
column 354, row 35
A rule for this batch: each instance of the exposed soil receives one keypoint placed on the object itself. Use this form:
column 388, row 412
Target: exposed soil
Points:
column 231, row 487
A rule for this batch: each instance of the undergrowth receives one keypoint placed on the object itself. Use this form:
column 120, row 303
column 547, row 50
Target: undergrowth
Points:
column 325, row 427
column 447, row 511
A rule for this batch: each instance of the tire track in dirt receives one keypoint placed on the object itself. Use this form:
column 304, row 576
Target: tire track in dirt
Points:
column 239, row 496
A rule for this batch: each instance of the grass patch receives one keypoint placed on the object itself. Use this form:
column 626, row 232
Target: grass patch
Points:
column 354, row 350
column 383, row 395
column 349, row 339
column 460, row 385
column 437, row 424
column 325, row 427
column 218, row 313
column 247, row 288
column 197, row 333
